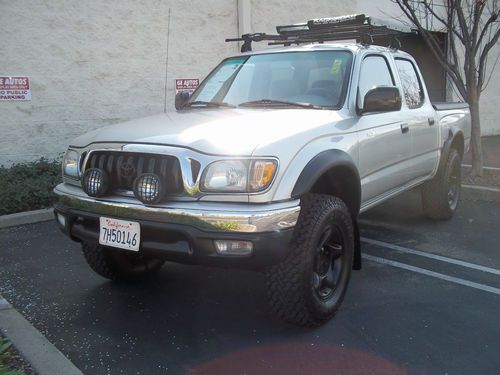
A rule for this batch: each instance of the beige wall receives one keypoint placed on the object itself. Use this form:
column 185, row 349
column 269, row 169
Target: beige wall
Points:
column 93, row 63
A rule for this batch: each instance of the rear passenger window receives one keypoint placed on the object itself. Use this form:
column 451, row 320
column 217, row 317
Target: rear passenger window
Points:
column 412, row 88
column 374, row 72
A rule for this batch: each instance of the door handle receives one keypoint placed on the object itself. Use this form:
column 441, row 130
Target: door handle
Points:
column 404, row 128
column 431, row 121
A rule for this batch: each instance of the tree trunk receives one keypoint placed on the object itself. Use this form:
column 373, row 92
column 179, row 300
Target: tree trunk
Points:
column 476, row 147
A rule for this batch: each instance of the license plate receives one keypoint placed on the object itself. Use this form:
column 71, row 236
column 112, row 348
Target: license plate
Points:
column 119, row 233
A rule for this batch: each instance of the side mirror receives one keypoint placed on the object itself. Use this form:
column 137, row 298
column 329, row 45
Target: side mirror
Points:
column 382, row 99
column 181, row 98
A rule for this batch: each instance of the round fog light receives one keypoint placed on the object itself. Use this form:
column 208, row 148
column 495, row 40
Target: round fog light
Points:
column 95, row 182
column 148, row 188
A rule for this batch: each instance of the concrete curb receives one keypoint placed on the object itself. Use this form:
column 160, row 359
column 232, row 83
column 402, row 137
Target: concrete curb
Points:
column 494, row 169
column 482, row 193
column 27, row 217
column 44, row 357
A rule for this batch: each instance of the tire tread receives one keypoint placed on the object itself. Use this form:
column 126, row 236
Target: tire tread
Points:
column 286, row 285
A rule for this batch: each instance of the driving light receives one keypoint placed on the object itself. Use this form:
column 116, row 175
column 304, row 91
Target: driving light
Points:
column 95, row 182
column 241, row 248
column 70, row 164
column 148, row 188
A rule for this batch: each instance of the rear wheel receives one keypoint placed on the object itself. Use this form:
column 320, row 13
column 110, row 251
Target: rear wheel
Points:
column 116, row 264
column 308, row 286
column 441, row 195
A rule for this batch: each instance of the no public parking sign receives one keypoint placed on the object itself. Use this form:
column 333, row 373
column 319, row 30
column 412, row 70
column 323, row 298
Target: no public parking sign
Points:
column 14, row 88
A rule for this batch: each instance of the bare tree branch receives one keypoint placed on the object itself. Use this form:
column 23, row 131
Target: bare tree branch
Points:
column 482, row 60
column 434, row 46
column 431, row 10
column 472, row 33
column 493, row 17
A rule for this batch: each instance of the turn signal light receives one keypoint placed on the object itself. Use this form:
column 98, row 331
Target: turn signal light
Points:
column 261, row 174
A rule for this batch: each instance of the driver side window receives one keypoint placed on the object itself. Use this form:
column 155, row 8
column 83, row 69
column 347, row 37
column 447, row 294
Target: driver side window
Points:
column 374, row 72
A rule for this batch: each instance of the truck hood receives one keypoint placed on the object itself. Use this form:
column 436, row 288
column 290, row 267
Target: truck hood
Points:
column 215, row 131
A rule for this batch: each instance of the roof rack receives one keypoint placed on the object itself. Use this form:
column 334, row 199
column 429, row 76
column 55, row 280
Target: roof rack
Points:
column 359, row 27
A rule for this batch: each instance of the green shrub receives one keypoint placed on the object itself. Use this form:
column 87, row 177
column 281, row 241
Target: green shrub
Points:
column 28, row 186
column 6, row 358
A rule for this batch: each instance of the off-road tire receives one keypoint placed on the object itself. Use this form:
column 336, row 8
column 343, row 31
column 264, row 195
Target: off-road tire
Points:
column 290, row 283
column 438, row 200
column 119, row 265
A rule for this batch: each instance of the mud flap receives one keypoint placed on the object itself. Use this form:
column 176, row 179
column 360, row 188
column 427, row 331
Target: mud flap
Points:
column 356, row 265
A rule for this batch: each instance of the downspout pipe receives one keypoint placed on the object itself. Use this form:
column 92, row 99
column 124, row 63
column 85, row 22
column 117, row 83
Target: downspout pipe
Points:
column 244, row 18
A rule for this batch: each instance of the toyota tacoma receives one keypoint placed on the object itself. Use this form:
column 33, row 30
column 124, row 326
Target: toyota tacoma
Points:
column 266, row 166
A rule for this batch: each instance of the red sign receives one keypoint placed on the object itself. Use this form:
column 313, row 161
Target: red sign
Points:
column 186, row 84
column 15, row 88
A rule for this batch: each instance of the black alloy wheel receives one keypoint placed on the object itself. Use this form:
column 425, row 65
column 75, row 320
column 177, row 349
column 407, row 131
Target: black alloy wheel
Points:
column 328, row 263
column 454, row 186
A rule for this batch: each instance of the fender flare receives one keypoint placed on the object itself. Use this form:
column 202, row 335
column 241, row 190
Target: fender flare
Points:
column 319, row 165
column 453, row 133
column 315, row 169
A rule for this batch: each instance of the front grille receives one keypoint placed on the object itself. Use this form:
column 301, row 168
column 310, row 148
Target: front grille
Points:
column 124, row 167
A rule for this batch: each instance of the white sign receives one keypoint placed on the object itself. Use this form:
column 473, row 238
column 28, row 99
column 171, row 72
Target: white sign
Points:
column 186, row 84
column 15, row 88
column 119, row 233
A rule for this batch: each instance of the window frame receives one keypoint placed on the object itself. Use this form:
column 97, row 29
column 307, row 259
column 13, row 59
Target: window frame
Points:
column 417, row 74
column 393, row 77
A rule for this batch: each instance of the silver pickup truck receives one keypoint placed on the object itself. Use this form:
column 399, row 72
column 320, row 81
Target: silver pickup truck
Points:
column 266, row 166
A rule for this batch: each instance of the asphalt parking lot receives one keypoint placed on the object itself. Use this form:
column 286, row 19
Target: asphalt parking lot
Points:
column 427, row 301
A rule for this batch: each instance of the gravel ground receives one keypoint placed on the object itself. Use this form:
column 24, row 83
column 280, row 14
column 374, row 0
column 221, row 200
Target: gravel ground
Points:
column 489, row 178
column 12, row 360
column 491, row 152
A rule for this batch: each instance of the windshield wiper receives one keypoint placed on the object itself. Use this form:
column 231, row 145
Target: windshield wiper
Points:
column 273, row 102
column 202, row 103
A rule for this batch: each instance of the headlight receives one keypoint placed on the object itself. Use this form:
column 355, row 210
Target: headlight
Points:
column 238, row 176
column 70, row 164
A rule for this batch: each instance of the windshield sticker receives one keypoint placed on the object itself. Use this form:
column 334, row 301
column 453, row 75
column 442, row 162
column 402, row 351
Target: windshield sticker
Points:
column 214, row 84
column 336, row 67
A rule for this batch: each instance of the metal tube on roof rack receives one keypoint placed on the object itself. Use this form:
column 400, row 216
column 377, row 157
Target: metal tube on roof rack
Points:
column 355, row 26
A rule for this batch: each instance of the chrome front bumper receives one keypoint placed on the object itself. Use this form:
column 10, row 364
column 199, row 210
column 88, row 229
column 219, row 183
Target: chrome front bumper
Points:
column 206, row 216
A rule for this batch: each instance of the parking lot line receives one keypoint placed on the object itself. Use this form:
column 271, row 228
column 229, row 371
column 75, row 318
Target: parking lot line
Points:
column 438, row 275
column 432, row 256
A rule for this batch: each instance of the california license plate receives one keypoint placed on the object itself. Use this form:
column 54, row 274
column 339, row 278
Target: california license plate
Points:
column 119, row 233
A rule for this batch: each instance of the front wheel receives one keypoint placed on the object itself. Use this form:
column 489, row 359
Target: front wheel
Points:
column 441, row 195
column 307, row 287
column 119, row 265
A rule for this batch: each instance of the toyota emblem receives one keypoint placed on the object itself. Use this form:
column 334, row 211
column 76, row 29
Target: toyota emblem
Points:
column 127, row 170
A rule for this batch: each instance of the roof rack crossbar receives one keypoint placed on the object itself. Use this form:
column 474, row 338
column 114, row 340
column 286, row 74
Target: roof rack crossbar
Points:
column 359, row 27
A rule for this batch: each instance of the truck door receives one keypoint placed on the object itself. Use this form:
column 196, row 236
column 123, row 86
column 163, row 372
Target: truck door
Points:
column 420, row 116
column 384, row 142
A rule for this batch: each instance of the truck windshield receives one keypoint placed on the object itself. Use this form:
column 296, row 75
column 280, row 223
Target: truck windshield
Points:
column 313, row 79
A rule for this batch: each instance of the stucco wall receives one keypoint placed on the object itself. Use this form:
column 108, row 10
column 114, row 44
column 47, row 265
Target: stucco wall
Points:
column 93, row 63
column 266, row 14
